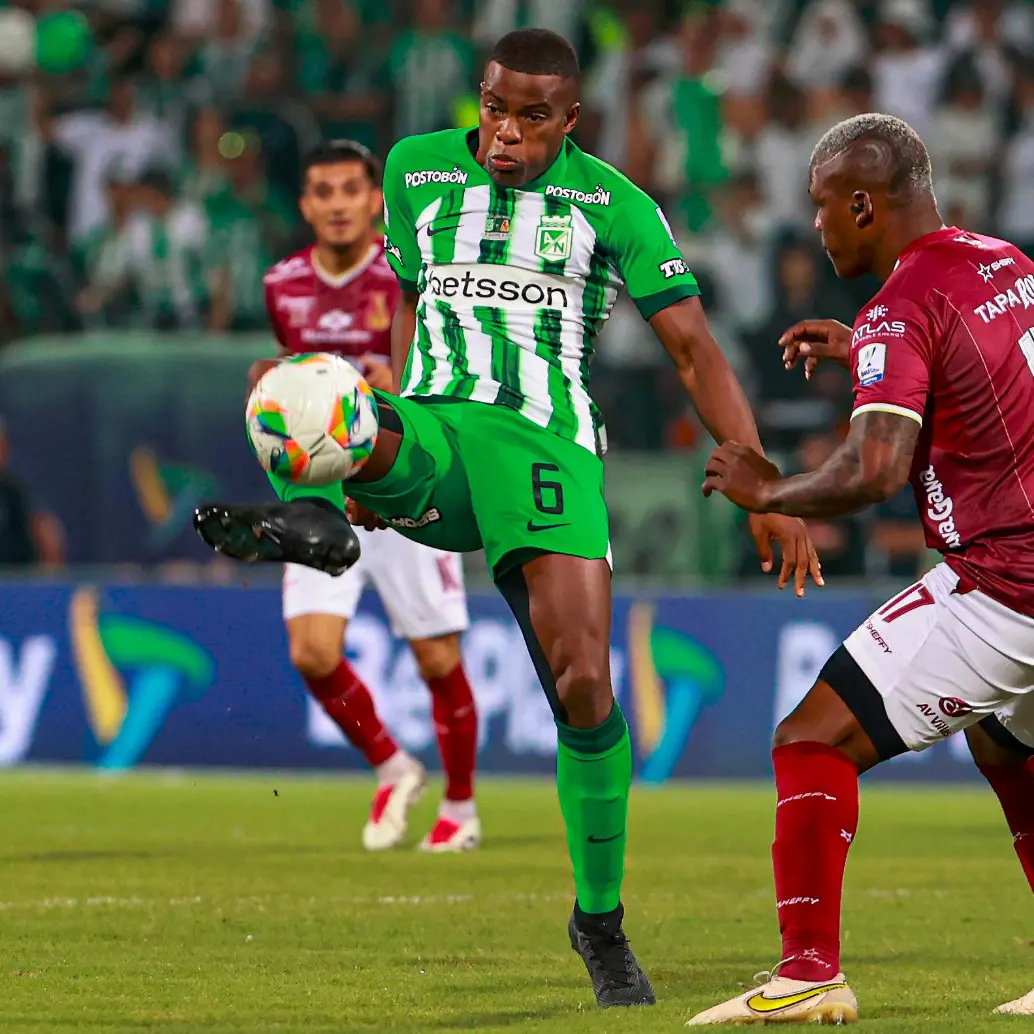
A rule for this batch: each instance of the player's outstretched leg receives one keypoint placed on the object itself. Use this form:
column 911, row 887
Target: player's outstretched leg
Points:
column 311, row 530
column 457, row 827
column 1008, row 765
column 562, row 604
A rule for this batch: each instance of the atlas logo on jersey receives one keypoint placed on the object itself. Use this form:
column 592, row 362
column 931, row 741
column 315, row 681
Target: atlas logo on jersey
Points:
column 877, row 312
column 891, row 328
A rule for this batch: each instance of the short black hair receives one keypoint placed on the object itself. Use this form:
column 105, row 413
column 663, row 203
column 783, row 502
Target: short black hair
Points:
column 334, row 152
column 536, row 52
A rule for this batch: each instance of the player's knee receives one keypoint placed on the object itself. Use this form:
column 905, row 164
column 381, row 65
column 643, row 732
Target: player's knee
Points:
column 436, row 657
column 314, row 656
column 584, row 690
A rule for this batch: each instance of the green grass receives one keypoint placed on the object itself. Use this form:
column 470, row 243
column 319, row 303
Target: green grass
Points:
column 188, row 904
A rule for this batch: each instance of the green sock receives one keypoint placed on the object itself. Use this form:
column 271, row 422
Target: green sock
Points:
column 287, row 491
column 594, row 774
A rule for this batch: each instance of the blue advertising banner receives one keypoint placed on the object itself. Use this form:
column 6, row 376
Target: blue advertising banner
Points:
column 116, row 675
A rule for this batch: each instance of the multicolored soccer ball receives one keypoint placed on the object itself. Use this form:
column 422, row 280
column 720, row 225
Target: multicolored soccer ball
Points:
column 312, row 419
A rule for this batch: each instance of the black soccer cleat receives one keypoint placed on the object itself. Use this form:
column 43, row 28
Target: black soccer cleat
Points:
column 301, row 532
column 617, row 978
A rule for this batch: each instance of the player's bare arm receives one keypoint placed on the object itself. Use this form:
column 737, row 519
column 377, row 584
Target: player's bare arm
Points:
column 722, row 406
column 870, row 466
column 403, row 327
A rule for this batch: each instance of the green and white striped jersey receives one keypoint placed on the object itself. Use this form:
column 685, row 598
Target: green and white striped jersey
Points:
column 515, row 284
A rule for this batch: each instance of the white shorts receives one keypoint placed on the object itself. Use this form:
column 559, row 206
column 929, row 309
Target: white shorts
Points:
column 421, row 588
column 943, row 661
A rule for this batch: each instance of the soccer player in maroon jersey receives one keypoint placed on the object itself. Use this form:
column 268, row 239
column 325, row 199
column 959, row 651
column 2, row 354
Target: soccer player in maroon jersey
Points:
column 943, row 367
column 339, row 295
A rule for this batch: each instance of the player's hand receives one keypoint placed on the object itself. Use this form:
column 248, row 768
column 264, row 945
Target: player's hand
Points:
column 741, row 475
column 799, row 556
column 362, row 517
column 745, row 477
column 376, row 371
column 815, row 340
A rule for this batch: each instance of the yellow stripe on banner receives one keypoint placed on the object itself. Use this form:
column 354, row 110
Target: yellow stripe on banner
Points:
column 103, row 692
column 647, row 694
column 150, row 489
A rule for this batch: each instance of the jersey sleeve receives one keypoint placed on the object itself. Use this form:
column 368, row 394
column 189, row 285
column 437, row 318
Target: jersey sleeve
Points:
column 400, row 243
column 648, row 259
column 892, row 359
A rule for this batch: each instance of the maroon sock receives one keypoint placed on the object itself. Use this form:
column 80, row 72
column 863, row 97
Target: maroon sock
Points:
column 816, row 820
column 1014, row 785
column 347, row 700
column 456, row 725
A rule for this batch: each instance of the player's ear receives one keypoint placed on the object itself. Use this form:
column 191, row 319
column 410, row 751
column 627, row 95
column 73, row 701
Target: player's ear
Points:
column 571, row 118
column 861, row 208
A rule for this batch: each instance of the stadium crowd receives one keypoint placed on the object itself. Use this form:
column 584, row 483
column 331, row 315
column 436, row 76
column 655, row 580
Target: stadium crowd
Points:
column 150, row 154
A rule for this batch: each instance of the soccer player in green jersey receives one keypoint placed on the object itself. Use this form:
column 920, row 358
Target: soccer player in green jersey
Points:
column 511, row 244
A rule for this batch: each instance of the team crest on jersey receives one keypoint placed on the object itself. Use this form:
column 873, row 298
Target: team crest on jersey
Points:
column 378, row 315
column 497, row 228
column 554, row 238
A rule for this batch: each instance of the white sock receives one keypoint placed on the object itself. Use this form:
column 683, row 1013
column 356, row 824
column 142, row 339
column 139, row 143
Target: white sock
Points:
column 391, row 771
column 458, row 811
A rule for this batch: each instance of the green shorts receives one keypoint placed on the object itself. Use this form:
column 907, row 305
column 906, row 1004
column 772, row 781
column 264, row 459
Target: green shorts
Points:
column 471, row 475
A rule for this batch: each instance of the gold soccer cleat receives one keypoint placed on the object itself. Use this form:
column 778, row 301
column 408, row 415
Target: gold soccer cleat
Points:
column 1019, row 1006
column 776, row 999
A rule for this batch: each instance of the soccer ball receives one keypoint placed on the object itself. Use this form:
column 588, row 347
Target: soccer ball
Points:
column 312, row 419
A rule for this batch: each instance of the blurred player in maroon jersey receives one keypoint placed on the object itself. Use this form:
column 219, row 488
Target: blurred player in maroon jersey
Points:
column 339, row 295
column 943, row 366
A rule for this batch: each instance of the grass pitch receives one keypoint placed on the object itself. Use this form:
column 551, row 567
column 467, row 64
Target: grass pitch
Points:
column 190, row 904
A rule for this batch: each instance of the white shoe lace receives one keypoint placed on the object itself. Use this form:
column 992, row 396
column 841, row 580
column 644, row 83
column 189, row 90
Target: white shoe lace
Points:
column 765, row 976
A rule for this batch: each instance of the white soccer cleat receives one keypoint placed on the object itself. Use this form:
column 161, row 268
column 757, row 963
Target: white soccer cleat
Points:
column 1018, row 1006
column 386, row 825
column 776, row 999
column 447, row 835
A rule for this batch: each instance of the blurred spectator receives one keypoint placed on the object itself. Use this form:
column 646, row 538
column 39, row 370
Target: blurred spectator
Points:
column 829, row 41
column 284, row 127
column 26, row 536
column 782, row 155
column 1016, row 214
column 430, row 67
column 102, row 261
column 225, row 55
column 121, row 141
column 635, row 53
column 250, row 227
column 495, row 18
column 745, row 53
column 204, row 175
column 791, row 406
column 852, row 96
column 344, row 78
column 992, row 31
column 164, row 91
column 199, row 19
column 906, row 71
column 681, row 115
column 963, row 141
column 166, row 243
column 738, row 254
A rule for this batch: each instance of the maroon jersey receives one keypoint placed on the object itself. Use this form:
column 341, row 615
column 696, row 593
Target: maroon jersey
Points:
column 948, row 342
column 312, row 311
